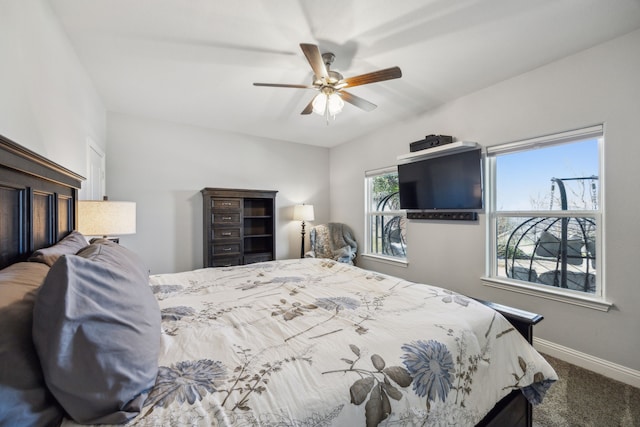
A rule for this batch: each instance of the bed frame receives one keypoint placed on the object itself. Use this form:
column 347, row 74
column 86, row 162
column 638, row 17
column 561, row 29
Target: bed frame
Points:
column 514, row 409
column 38, row 202
column 38, row 205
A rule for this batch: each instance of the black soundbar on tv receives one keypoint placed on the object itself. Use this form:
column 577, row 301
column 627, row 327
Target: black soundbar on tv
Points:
column 450, row 216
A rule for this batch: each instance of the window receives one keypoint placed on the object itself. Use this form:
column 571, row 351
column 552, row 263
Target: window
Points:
column 384, row 221
column 546, row 213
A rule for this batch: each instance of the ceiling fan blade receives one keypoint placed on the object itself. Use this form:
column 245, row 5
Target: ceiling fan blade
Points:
column 357, row 101
column 309, row 108
column 283, row 85
column 314, row 57
column 376, row 76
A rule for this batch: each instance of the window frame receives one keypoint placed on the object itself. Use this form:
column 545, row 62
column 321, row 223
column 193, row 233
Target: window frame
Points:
column 369, row 216
column 492, row 278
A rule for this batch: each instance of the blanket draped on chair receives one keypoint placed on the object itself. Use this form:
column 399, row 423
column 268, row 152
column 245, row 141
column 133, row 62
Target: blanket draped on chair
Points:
column 333, row 240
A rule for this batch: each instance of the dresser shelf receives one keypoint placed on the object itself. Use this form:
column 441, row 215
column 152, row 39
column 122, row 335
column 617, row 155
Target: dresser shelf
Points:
column 239, row 226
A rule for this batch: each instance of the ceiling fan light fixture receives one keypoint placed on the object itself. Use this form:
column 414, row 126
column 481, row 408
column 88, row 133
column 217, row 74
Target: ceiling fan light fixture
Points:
column 335, row 103
column 330, row 83
column 328, row 104
column 319, row 103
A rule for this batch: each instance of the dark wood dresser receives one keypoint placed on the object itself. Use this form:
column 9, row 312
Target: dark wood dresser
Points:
column 239, row 226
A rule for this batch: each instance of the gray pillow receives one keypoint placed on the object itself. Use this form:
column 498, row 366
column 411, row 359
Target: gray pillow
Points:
column 70, row 244
column 24, row 397
column 97, row 332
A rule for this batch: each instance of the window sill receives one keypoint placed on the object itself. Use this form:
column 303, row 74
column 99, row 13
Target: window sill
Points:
column 551, row 294
column 387, row 260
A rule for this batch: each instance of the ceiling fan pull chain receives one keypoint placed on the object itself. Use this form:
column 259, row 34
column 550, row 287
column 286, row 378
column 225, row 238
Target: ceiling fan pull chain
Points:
column 326, row 111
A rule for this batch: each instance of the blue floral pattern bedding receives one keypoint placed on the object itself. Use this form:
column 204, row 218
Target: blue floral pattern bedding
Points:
column 313, row 342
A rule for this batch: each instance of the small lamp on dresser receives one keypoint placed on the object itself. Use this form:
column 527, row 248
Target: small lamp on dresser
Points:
column 106, row 218
column 303, row 213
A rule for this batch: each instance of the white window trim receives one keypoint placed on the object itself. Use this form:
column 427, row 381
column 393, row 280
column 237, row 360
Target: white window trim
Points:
column 596, row 131
column 566, row 296
column 381, row 171
column 387, row 259
column 562, row 295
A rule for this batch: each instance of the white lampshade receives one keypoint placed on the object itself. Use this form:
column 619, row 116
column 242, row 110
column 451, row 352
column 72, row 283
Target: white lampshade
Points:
column 106, row 217
column 303, row 213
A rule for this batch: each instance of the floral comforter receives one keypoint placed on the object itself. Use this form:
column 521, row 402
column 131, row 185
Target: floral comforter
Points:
column 313, row 342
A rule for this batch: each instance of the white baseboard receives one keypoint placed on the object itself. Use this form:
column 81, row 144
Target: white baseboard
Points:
column 595, row 364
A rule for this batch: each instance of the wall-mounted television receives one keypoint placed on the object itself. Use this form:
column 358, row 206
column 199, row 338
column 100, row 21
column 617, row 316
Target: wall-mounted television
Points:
column 450, row 181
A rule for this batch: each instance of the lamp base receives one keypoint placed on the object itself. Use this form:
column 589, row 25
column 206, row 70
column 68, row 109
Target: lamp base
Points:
column 302, row 244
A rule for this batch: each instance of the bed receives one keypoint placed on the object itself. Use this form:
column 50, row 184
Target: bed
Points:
column 287, row 342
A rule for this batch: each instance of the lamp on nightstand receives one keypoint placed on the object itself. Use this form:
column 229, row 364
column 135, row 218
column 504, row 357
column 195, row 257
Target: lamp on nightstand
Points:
column 106, row 218
column 303, row 213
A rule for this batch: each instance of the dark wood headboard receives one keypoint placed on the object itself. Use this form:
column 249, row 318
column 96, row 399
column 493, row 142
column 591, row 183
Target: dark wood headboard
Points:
column 38, row 202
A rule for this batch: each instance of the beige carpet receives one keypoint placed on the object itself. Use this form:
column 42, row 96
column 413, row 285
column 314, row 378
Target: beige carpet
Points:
column 583, row 398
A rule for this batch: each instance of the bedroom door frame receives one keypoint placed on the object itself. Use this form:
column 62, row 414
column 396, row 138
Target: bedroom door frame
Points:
column 94, row 188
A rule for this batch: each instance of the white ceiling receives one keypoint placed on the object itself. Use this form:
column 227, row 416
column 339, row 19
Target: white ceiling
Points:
column 194, row 61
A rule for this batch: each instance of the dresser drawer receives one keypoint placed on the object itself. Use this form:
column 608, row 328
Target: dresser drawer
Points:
column 225, row 218
column 225, row 261
column 251, row 258
column 225, row 204
column 229, row 248
column 226, row 233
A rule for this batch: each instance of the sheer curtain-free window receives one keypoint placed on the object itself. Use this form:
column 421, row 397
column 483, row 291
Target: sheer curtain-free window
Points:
column 545, row 213
column 384, row 220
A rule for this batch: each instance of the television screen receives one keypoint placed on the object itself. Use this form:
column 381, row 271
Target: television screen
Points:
column 452, row 181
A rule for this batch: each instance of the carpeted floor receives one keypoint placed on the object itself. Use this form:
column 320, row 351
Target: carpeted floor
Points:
column 586, row 399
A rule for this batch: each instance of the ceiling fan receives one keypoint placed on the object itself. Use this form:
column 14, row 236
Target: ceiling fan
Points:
column 331, row 84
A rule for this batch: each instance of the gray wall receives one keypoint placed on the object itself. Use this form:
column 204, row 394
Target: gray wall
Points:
column 163, row 166
column 599, row 85
column 47, row 101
